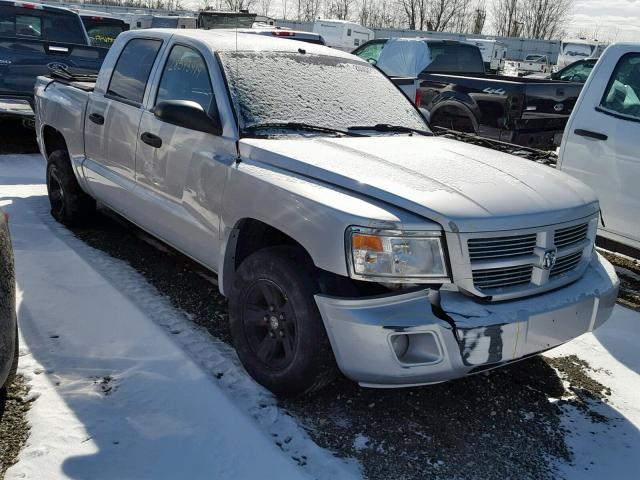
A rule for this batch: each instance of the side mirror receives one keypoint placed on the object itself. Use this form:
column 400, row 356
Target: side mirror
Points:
column 555, row 76
column 188, row 114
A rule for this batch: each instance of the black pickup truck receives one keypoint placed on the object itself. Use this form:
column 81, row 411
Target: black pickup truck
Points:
column 459, row 95
column 35, row 38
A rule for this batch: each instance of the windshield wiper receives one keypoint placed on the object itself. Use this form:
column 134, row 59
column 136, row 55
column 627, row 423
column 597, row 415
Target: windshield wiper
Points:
column 299, row 126
column 385, row 127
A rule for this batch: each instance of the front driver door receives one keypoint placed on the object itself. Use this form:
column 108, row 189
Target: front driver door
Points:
column 603, row 142
column 180, row 173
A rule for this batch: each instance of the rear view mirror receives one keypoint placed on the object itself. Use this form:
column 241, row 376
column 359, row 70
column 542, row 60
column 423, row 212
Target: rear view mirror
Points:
column 188, row 114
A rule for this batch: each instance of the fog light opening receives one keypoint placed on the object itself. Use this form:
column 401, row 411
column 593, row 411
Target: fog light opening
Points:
column 400, row 344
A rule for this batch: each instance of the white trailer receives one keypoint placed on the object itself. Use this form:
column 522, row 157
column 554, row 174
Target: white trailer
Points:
column 342, row 34
column 493, row 52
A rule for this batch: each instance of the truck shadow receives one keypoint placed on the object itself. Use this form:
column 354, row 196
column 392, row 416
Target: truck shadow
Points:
column 509, row 422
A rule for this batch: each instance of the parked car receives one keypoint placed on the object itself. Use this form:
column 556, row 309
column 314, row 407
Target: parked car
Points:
column 530, row 64
column 301, row 36
column 342, row 34
column 34, row 37
column 346, row 236
column 600, row 144
column 102, row 30
column 577, row 72
column 8, row 324
column 574, row 49
column 459, row 95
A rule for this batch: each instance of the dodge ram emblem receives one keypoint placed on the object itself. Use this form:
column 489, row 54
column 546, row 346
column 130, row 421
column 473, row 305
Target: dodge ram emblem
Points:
column 549, row 259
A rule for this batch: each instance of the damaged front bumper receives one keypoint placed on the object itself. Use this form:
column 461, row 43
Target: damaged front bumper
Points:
column 424, row 337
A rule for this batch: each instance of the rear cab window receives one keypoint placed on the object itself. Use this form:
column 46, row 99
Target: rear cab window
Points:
column 622, row 95
column 454, row 58
column 41, row 24
column 131, row 73
column 103, row 34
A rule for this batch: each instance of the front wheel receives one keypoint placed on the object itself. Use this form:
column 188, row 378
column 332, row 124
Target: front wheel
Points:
column 275, row 324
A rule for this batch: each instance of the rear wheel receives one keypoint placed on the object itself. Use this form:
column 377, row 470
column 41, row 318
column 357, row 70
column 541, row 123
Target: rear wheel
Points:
column 69, row 204
column 453, row 119
column 276, row 326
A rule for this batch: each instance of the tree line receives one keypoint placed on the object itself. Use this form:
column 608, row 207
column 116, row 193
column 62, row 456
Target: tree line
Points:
column 540, row 19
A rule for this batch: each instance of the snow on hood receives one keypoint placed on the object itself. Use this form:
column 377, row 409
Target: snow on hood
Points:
column 404, row 57
column 463, row 187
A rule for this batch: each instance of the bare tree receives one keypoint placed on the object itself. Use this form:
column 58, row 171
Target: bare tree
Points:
column 308, row 10
column 264, row 7
column 237, row 5
column 340, row 9
column 542, row 19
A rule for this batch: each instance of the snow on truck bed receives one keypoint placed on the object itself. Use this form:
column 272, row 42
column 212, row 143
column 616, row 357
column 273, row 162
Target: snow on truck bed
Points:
column 116, row 395
column 124, row 385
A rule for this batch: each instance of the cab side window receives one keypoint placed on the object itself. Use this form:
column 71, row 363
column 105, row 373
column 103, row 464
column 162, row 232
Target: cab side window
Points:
column 622, row 94
column 132, row 70
column 185, row 77
column 371, row 52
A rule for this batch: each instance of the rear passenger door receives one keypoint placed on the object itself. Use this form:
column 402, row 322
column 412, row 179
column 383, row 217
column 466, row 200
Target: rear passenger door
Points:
column 180, row 175
column 111, row 125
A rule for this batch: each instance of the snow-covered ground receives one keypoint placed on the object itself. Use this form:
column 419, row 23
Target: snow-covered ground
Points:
column 126, row 387
column 111, row 364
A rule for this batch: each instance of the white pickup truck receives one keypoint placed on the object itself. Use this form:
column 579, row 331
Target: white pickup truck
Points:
column 345, row 235
column 600, row 144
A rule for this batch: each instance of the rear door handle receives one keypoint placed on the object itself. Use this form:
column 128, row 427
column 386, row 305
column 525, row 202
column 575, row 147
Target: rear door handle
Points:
column 151, row 139
column 590, row 134
column 96, row 118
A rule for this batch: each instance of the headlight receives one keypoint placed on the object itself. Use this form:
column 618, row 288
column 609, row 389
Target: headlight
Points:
column 395, row 256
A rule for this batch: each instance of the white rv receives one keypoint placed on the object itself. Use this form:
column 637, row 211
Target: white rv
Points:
column 173, row 21
column 574, row 49
column 493, row 52
column 342, row 34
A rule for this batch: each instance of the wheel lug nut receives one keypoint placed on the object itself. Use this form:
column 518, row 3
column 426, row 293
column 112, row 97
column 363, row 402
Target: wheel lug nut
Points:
column 282, row 333
column 271, row 334
column 281, row 317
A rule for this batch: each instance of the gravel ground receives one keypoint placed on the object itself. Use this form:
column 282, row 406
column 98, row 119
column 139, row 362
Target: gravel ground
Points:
column 628, row 270
column 14, row 431
column 486, row 426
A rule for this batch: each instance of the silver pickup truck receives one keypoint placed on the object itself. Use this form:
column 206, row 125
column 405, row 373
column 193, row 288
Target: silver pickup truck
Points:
column 345, row 235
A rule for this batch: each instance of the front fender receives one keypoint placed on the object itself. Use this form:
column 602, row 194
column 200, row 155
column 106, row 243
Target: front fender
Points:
column 313, row 213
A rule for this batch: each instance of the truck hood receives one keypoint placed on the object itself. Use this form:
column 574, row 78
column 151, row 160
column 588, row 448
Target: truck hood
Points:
column 463, row 187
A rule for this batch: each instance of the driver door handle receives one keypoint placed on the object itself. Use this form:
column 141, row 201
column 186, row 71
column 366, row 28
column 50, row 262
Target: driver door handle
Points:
column 151, row 139
column 96, row 118
column 590, row 134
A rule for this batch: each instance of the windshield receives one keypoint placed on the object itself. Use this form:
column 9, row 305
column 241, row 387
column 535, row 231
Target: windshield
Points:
column 320, row 90
column 577, row 49
column 104, row 35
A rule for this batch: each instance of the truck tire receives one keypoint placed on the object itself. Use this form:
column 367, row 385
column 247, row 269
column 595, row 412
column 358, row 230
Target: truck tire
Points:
column 276, row 327
column 69, row 204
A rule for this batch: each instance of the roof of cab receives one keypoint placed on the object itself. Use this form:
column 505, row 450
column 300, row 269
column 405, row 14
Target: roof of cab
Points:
column 35, row 6
column 230, row 40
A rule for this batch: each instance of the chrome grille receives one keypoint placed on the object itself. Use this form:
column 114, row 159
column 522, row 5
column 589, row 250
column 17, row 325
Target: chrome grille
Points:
column 566, row 263
column 501, row 247
column 564, row 237
column 502, row 277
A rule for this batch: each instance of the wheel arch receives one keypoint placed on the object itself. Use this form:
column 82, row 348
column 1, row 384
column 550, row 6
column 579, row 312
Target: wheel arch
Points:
column 52, row 140
column 247, row 236
column 455, row 105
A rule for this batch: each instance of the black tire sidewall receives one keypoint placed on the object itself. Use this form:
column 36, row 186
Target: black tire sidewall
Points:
column 313, row 357
column 78, row 206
